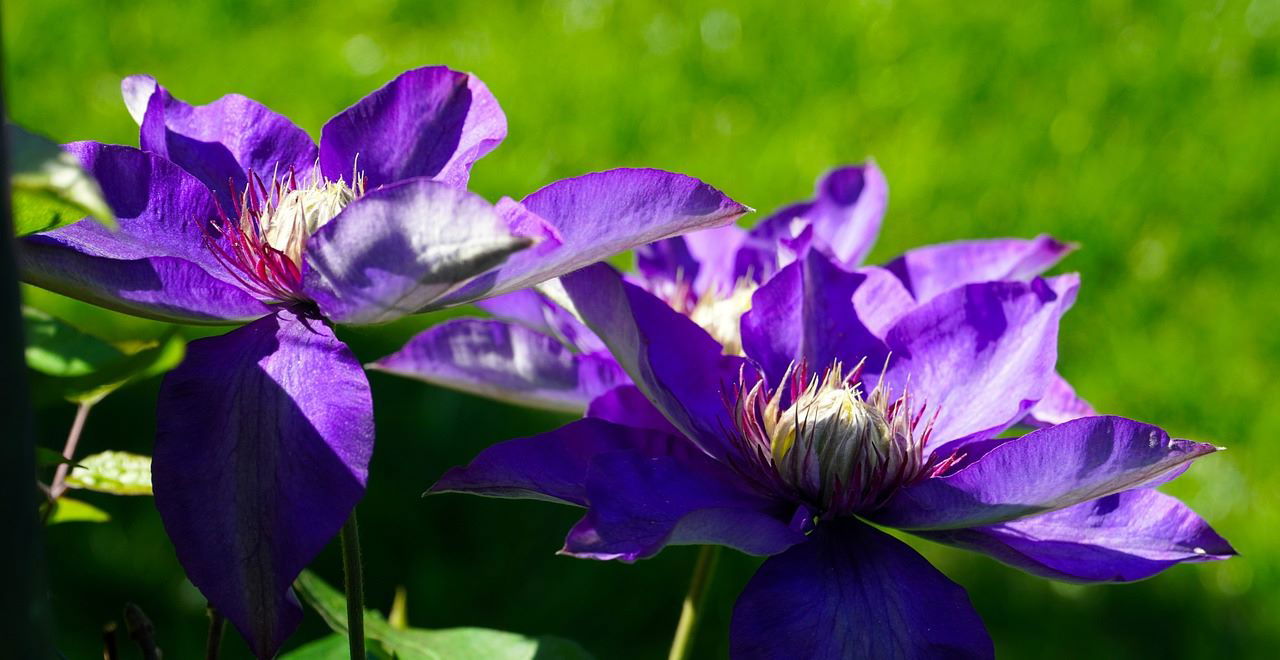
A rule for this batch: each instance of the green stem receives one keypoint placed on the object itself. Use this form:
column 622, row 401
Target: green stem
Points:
column 213, row 645
column 691, row 611
column 354, row 584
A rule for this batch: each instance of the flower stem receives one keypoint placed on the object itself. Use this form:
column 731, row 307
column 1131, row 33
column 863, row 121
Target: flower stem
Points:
column 354, row 585
column 217, row 623
column 691, row 611
column 69, row 450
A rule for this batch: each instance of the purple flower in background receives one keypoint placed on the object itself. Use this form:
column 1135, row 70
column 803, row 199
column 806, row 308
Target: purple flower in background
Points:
column 537, row 353
column 824, row 427
column 230, row 214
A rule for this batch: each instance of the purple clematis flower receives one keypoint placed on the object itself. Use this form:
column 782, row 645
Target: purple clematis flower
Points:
column 230, row 214
column 823, row 429
column 537, row 353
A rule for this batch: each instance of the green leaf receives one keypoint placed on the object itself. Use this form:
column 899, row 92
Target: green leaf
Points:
column 333, row 647
column 417, row 643
column 56, row 348
column 114, row 472
column 67, row 510
column 46, row 457
column 50, row 189
column 139, row 362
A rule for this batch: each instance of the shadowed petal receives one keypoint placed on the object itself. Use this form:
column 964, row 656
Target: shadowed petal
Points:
column 1043, row 471
column 535, row 310
column 1060, row 404
column 553, row 466
column 933, row 269
column 505, row 361
column 851, row 591
column 979, row 356
column 703, row 259
column 601, row 214
column 627, row 405
column 221, row 141
column 262, row 448
column 398, row 249
column 881, row 300
column 160, row 288
column 806, row 312
column 677, row 365
column 844, row 215
column 640, row 504
column 163, row 211
column 428, row 122
column 1118, row 538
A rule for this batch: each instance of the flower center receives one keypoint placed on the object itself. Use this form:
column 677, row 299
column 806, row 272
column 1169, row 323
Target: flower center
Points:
column 833, row 446
column 264, row 238
column 718, row 312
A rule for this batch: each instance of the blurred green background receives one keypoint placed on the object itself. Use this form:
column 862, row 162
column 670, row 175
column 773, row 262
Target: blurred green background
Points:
column 1146, row 131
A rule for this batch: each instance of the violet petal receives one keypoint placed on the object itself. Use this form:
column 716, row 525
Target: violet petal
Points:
column 1043, row 471
column 428, row 122
column 507, row 362
column 930, row 270
column 851, row 591
column 400, row 248
column 1122, row 537
column 262, row 449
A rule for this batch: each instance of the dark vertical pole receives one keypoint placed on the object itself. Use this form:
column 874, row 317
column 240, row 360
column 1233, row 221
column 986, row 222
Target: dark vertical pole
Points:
column 24, row 630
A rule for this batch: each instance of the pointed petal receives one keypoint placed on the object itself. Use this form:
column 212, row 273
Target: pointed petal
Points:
column 1043, row 471
column 221, row 141
column 400, row 248
column 507, row 362
column 262, row 449
column 601, row 214
column 844, row 215
column 552, row 466
column 677, row 365
column 641, row 503
column 851, row 591
column 429, row 122
column 160, row 288
column 979, row 356
column 933, row 269
column 1118, row 538
column 1060, row 404
column 806, row 312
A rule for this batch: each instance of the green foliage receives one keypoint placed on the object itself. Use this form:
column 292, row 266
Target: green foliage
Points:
column 67, row 510
column 113, row 472
column 50, row 189
column 419, row 644
column 89, row 368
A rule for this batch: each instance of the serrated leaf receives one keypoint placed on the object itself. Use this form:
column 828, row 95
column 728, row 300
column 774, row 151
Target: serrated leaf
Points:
column 422, row 644
column 114, row 472
column 56, row 348
column 67, row 510
column 50, row 189
column 158, row 357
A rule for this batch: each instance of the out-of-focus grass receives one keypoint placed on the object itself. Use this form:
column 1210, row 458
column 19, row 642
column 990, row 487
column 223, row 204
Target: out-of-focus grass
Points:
column 1145, row 131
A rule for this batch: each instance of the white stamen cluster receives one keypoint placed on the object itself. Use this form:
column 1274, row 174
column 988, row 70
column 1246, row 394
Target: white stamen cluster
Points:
column 838, row 449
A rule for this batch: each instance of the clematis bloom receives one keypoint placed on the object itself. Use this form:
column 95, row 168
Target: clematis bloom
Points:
column 823, row 430
column 536, row 353
column 230, row 214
